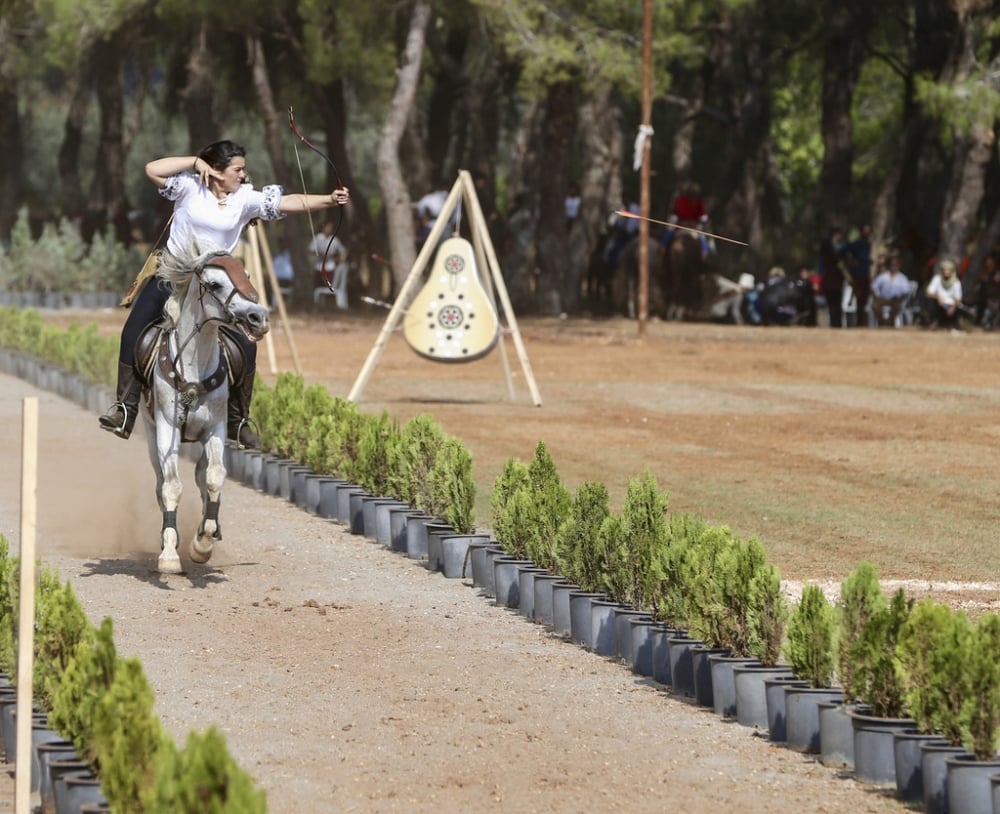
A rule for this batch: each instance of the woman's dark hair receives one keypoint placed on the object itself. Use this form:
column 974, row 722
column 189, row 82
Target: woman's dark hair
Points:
column 218, row 154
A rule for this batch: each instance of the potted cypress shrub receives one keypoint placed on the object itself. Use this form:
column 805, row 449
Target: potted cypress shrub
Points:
column 201, row 777
column 710, row 573
column 874, row 759
column 860, row 598
column 766, row 615
column 931, row 656
column 809, row 650
column 968, row 776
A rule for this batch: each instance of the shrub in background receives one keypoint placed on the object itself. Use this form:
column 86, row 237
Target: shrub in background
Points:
column 451, row 485
column 930, row 658
column 809, row 648
column 861, row 598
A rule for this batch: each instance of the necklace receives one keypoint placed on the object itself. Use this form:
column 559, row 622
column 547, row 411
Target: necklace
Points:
column 224, row 201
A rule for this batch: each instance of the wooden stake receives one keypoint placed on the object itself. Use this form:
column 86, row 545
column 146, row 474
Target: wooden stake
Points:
column 26, row 602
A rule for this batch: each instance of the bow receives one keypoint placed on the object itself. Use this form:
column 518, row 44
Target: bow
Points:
column 340, row 184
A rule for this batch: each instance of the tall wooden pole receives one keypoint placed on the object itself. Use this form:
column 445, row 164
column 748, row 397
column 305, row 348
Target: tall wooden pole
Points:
column 26, row 602
column 647, row 113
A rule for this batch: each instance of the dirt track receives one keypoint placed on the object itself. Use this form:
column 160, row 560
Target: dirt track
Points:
column 415, row 694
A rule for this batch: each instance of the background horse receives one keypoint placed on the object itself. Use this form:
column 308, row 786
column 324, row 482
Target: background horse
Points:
column 683, row 266
column 189, row 387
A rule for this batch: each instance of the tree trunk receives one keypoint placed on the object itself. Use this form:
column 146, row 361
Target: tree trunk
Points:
column 74, row 201
column 11, row 145
column 558, row 280
column 398, row 210
column 109, row 189
column 198, row 94
column 843, row 53
column 972, row 151
column 602, row 142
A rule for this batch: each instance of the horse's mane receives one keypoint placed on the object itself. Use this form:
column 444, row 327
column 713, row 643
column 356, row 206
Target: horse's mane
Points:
column 178, row 272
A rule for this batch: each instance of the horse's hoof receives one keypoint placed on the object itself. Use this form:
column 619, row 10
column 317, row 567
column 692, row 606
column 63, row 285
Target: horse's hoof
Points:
column 169, row 563
column 201, row 552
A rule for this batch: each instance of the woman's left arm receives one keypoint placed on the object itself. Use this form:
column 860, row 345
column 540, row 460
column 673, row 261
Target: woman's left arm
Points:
column 306, row 203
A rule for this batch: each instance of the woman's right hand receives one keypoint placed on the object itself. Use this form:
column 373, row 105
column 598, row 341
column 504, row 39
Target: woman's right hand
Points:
column 340, row 196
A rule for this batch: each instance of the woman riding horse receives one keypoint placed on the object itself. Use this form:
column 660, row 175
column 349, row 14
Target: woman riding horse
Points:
column 213, row 202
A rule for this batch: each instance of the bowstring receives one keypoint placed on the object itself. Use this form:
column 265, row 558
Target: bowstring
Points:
column 312, row 228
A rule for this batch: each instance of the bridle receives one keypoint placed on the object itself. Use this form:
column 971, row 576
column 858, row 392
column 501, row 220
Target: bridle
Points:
column 170, row 364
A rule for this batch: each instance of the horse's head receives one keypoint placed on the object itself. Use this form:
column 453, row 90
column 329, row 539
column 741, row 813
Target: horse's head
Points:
column 224, row 283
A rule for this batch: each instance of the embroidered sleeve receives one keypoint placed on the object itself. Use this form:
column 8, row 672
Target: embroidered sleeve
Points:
column 175, row 186
column 272, row 199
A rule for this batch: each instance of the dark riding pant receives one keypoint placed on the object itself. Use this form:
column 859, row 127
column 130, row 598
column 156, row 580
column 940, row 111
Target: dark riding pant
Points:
column 148, row 308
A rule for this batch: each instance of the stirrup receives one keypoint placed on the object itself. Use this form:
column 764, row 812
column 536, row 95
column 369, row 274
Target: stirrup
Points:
column 252, row 428
column 109, row 423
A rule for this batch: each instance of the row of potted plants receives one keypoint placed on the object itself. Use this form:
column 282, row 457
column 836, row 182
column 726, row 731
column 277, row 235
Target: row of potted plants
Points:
column 898, row 668
column 96, row 709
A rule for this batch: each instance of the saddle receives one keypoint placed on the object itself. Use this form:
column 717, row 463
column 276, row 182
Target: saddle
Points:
column 151, row 351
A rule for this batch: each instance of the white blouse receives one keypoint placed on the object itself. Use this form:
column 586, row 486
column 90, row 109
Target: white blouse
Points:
column 203, row 222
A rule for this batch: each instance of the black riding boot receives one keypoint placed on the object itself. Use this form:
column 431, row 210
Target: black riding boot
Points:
column 239, row 429
column 120, row 418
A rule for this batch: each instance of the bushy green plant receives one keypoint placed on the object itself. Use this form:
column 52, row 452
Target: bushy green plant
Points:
column 334, row 437
column 49, row 263
column 452, row 487
column 635, row 556
column 86, row 680
column 127, row 736
column 878, row 682
column 20, row 328
column 704, row 576
column 108, row 265
column 668, row 600
column 202, row 779
column 376, row 451
column 60, row 625
column 578, row 555
column 767, row 613
column 422, row 438
column 550, row 505
column 8, row 608
column 861, row 598
column 809, row 648
column 504, row 517
column 931, row 660
column 980, row 715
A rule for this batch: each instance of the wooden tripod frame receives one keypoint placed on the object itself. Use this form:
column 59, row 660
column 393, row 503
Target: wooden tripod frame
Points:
column 464, row 190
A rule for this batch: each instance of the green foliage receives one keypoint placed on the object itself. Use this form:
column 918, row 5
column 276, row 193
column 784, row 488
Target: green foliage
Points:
column 636, row 558
column 879, row 683
column 333, row 441
column 702, row 573
column 60, row 625
column 809, row 648
column 201, row 779
column 87, row 679
column 503, row 516
column 59, row 260
column 409, row 478
column 669, row 596
column 8, row 608
column 980, row 715
column 551, row 503
column 127, row 736
column 861, row 598
column 579, row 557
column 452, row 487
column 931, row 661
column 767, row 612
column 377, row 445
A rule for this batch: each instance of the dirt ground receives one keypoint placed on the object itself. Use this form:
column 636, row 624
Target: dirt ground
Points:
column 348, row 678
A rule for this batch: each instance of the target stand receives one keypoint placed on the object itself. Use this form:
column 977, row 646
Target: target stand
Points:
column 454, row 317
